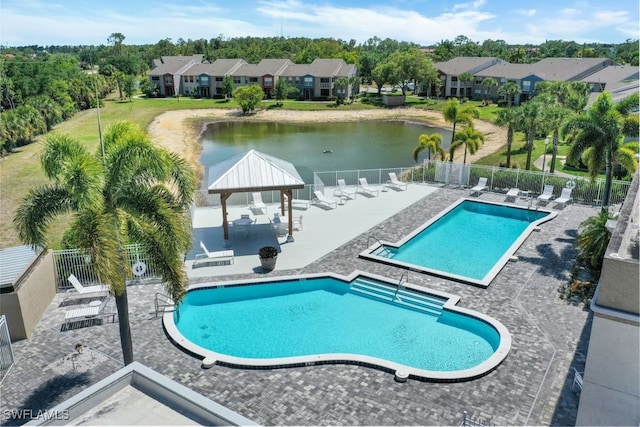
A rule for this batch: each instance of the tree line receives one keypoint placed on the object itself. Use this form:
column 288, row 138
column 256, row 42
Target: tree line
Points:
column 41, row 86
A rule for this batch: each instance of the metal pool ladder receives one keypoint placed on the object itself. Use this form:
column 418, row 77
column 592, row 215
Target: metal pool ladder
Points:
column 403, row 279
column 384, row 248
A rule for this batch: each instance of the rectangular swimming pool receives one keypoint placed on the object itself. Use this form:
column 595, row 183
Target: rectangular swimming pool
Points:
column 470, row 241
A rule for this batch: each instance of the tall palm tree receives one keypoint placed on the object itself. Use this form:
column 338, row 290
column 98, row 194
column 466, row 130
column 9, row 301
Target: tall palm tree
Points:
column 509, row 90
column 552, row 118
column 455, row 113
column 134, row 192
column 509, row 118
column 600, row 128
column 488, row 83
column 470, row 138
column 530, row 120
column 432, row 143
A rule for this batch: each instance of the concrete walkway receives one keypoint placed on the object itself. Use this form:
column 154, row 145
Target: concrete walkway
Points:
column 539, row 163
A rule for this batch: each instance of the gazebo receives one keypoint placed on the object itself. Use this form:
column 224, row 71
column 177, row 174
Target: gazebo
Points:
column 254, row 171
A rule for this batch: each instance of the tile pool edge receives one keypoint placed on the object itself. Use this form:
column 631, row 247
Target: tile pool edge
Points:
column 477, row 371
column 489, row 276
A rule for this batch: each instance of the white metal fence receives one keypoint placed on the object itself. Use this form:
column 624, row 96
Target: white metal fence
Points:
column 6, row 351
column 79, row 263
column 450, row 174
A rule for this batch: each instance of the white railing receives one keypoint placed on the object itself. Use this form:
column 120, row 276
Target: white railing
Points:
column 6, row 351
column 450, row 174
column 78, row 262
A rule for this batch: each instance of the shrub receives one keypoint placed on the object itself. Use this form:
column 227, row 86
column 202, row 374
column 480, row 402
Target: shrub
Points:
column 268, row 252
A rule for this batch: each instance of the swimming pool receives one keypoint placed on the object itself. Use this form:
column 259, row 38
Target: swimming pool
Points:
column 327, row 318
column 470, row 241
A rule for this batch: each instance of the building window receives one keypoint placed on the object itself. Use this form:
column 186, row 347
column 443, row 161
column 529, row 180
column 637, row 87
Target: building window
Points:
column 237, row 80
column 204, row 79
column 526, row 86
column 325, row 80
column 253, row 80
column 478, row 80
column 155, row 78
column 324, row 92
column 454, row 79
column 219, row 79
column 268, row 81
column 454, row 91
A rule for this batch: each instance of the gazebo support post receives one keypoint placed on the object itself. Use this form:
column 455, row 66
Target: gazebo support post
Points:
column 225, row 222
column 289, row 195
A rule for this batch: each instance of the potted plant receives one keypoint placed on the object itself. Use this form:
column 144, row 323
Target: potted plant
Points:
column 268, row 256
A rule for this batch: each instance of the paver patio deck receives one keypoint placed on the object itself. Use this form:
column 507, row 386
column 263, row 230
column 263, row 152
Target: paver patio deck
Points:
column 531, row 387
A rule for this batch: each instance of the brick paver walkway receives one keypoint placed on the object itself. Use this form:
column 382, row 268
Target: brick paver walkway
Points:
column 532, row 386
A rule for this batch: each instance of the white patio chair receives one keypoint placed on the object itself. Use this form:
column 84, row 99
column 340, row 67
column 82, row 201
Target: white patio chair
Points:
column 217, row 257
column 257, row 203
column 366, row 188
column 323, row 200
column 512, row 195
column 394, row 182
column 86, row 290
column 547, row 194
column 344, row 191
column 480, row 186
column 565, row 197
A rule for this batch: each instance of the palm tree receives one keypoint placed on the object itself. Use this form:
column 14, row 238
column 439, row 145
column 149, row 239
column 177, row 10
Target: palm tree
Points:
column 134, row 192
column 432, row 143
column 488, row 83
column 600, row 128
column 530, row 120
column 509, row 118
column 455, row 113
column 509, row 90
column 592, row 241
column 470, row 138
column 465, row 78
column 553, row 117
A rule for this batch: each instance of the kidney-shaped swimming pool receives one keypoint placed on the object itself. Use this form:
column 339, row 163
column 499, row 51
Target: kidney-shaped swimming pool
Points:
column 327, row 318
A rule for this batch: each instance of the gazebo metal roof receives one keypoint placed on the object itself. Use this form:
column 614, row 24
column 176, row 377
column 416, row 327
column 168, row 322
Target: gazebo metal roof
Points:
column 253, row 171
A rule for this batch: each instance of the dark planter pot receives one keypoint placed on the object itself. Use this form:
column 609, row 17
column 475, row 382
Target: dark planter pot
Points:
column 268, row 264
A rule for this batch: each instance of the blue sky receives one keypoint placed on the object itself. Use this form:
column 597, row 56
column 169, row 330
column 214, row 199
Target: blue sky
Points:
column 76, row 22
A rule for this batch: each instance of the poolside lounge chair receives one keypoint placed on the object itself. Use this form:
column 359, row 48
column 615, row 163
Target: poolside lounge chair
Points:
column 480, row 186
column 512, row 195
column 344, row 191
column 395, row 182
column 257, row 203
column 366, row 188
column 323, row 200
column 85, row 290
column 565, row 197
column 90, row 312
column 217, row 257
column 547, row 194
column 577, row 379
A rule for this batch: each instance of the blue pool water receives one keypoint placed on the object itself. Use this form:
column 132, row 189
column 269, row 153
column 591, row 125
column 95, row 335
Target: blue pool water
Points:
column 326, row 316
column 467, row 241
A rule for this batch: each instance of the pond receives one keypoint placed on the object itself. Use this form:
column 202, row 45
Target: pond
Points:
column 317, row 147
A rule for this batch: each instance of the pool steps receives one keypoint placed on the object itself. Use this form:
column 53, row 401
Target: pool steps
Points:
column 401, row 296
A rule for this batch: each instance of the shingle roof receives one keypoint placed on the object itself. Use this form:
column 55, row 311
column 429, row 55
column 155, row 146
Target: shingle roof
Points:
column 253, row 170
column 463, row 64
column 566, row 69
column 507, row 71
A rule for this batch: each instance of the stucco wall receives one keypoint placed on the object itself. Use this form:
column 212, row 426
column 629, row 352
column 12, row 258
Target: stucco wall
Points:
column 611, row 391
column 33, row 292
column 393, row 100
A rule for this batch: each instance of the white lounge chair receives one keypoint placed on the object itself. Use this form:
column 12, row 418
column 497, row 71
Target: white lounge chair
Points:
column 90, row 312
column 577, row 379
column 512, row 194
column 323, row 200
column 395, row 182
column 480, row 186
column 366, row 188
column 85, row 290
column 565, row 197
column 344, row 191
column 547, row 194
column 257, row 203
column 217, row 257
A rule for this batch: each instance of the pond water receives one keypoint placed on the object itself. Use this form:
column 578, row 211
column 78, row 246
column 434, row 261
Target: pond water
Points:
column 317, row 147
